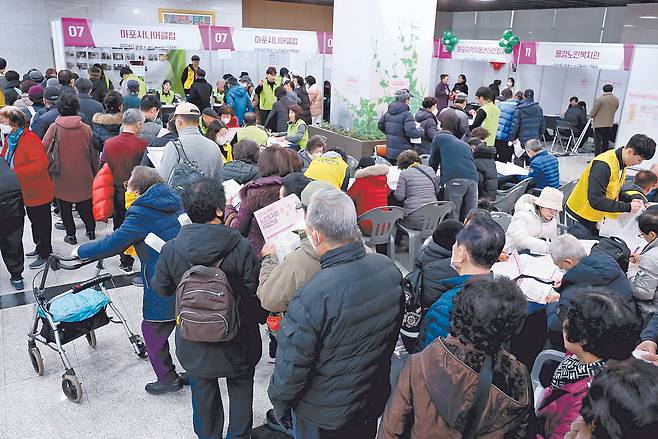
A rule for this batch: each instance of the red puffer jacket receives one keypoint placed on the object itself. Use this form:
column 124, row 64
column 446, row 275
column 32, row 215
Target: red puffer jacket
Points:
column 369, row 190
column 102, row 194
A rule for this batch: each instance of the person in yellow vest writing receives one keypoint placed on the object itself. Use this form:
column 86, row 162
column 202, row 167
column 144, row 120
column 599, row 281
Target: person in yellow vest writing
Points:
column 596, row 195
column 265, row 92
column 487, row 115
column 188, row 75
column 331, row 167
column 297, row 134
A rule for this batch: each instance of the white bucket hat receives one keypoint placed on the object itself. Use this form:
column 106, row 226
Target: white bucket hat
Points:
column 550, row 198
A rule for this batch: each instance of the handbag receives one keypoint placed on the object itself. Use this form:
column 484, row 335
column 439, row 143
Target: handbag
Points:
column 52, row 152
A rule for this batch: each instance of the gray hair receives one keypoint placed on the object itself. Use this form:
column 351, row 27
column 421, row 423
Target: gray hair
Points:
column 331, row 212
column 533, row 145
column 566, row 247
column 133, row 116
column 143, row 177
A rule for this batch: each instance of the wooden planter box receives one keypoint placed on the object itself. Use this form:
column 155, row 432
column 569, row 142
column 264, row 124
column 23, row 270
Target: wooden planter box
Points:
column 353, row 147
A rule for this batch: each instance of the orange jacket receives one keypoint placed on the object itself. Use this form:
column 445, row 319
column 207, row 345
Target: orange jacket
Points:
column 102, row 194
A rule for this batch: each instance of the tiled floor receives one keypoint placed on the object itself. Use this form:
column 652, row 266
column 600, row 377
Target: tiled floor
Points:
column 115, row 404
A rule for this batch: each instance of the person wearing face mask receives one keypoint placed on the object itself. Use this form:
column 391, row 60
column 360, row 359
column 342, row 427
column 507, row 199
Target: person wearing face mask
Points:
column 645, row 282
column 218, row 133
column 351, row 305
column 598, row 269
column 227, row 117
column 534, row 222
column 427, row 117
column 122, row 153
column 152, row 209
column 206, row 242
column 314, row 149
column 238, row 98
column 510, row 86
column 476, row 249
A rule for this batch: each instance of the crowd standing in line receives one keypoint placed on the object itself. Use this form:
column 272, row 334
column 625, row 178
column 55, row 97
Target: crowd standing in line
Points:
column 333, row 307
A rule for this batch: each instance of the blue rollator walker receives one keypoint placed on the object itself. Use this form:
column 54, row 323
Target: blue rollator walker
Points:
column 76, row 312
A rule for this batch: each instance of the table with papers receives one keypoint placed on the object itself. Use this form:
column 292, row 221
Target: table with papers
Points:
column 508, row 169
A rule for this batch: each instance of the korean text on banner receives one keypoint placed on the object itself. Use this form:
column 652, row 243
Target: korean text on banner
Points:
column 475, row 50
column 577, row 55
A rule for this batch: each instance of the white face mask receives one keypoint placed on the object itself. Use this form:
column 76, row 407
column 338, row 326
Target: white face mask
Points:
column 453, row 264
column 310, row 239
column 222, row 140
column 226, row 120
column 5, row 129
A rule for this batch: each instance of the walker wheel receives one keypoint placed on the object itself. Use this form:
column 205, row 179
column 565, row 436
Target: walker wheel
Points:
column 91, row 339
column 72, row 388
column 36, row 359
column 141, row 349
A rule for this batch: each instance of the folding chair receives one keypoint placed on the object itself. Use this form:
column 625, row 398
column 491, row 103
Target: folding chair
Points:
column 543, row 357
column 429, row 215
column 507, row 199
column 384, row 224
column 502, row 219
column 551, row 125
column 563, row 131
column 352, row 163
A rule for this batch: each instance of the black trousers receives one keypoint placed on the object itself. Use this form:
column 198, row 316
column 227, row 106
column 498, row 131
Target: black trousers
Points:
column 364, row 428
column 42, row 224
column 601, row 140
column 504, row 151
column 84, row 209
column 11, row 245
column 263, row 116
column 208, row 409
column 118, row 217
column 584, row 230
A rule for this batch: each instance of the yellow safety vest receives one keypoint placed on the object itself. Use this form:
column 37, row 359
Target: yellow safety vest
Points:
column 2, row 99
column 292, row 130
column 253, row 133
column 578, row 202
column 491, row 122
column 328, row 169
column 266, row 97
column 142, row 84
column 167, row 99
column 190, row 78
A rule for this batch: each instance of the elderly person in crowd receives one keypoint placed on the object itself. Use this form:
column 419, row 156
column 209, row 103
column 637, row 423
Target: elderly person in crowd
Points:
column 206, row 242
column 426, row 117
column 273, row 165
column 598, row 269
column 122, row 153
column 416, row 185
column 12, row 220
column 251, row 131
column 314, row 149
column 108, row 124
column 399, row 126
column 476, row 249
column 622, row 403
column 597, row 328
column 534, row 222
column 88, row 106
column 330, row 167
column 645, row 282
column 154, row 211
column 78, row 164
column 370, row 188
column 244, row 166
column 26, row 156
column 544, row 167
column 351, row 305
column 436, row 393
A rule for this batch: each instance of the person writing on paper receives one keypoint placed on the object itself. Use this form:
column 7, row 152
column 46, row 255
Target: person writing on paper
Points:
column 244, row 167
column 645, row 282
column 476, row 249
column 597, row 328
column 251, row 131
column 596, row 195
column 544, row 167
column 534, row 222
column 435, row 396
column 297, row 132
column 598, row 269
column 153, row 209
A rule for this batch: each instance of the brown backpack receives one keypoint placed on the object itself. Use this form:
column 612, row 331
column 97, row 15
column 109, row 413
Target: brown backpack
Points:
column 206, row 308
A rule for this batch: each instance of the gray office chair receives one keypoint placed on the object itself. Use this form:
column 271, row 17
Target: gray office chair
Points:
column 542, row 358
column 502, row 219
column 352, row 163
column 429, row 215
column 507, row 199
column 384, row 224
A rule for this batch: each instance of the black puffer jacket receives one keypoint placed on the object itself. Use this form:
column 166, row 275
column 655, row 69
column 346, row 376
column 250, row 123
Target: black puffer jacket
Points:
column 204, row 244
column 278, row 118
column 484, row 157
column 434, row 261
column 240, row 171
column 305, row 104
column 11, row 198
column 399, row 126
column 105, row 126
column 336, row 340
column 428, row 124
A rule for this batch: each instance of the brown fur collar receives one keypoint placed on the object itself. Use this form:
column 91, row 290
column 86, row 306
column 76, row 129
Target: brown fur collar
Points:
column 107, row 119
column 371, row 171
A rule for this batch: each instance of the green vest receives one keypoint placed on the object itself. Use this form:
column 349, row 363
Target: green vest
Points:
column 167, row 99
column 254, row 133
column 266, row 97
column 142, row 84
column 292, row 130
column 491, row 122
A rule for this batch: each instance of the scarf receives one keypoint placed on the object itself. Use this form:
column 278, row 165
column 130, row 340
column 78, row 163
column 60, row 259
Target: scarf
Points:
column 12, row 143
column 572, row 370
column 130, row 199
